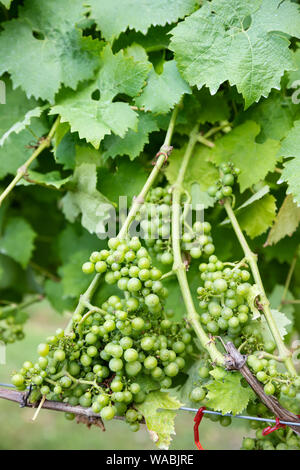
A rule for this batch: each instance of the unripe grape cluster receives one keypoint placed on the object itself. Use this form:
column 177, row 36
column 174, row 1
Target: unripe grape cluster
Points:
column 101, row 363
column 155, row 221
column 223, row 187
column 223, row 296
column 11, row 330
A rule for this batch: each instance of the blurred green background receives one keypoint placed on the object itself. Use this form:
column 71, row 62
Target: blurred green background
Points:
column 53, row 431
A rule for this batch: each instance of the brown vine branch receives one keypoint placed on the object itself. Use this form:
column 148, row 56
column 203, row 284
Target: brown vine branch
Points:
column 234, row 360
column 83, row 415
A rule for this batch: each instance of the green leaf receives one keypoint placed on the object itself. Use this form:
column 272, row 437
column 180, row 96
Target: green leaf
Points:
column 18, row 240
column 284, row 250
column 163, row 90
column 17, row 114
column 55, row 295
column 52, row 179
column 238, row 41
column 74, row 237
column 126, row 181
column 64, row 146
column 286, row 222
column 160, row 423
column 46, row 50
column 133, row 143
column 199, row 171
column 291, row 173
column 240, row 147
column 275, row 297
column 6, row 3
column 94, row 118
column 258, row 217
column 21, row 125
column 282, row 322
column 74, row 281
column 255, row 197
column 228, row 395
column 274, row 115
column 294, row 75
column 85, row 199
column 136, row 14
column 201, row 107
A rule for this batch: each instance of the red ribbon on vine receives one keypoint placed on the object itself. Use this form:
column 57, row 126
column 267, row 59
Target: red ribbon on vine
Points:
column 197, row 419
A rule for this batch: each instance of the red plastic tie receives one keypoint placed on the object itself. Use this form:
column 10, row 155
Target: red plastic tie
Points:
column 277, row 426
column 197, row 420
column 270, row 429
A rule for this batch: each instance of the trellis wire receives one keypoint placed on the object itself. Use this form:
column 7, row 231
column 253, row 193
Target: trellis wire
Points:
column 209, row 412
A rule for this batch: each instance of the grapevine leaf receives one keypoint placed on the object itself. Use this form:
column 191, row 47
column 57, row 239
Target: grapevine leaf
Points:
column 53, row 178
column 45, row 49
column 202, row 107
column 290, row 174
column 133, row 142
column 255, row 197
column 238, row 41
column 199, row 171
column 294, row 75
column 21, row 125
column 74, row 281
column 240, row 147
column 94, row 118
column 14, row 151
column 74, row 236
column 160, row 423
column 284, row 250
column 137, row 14
column 55, row 295
column 6, row 3
column 274, row 115
column 258, row 217
column 147, row 383
column 18, row 240
column 64, row 146
column 163, row 90
column 126, row 181
column 281, row 321
column 228, row 395
column 157, row 38
column 275, row 298
column 286, row 222
column 85, row 199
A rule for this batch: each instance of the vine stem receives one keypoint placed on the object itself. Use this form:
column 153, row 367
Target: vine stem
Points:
column 21, row 172
column 137, row 203
column 251, row 257
column 162, row 157
column 288, row 279
column 178, row 266
column 12, row 307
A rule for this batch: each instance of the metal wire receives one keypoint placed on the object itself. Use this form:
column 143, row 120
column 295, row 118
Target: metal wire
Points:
column 209, row 412
column 251, row 418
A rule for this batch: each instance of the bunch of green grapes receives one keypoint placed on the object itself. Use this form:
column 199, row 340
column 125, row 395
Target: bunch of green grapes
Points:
column 11, row 329
column 155, row 221
column 224, row 296
column 223, row 187
column 103, row 361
